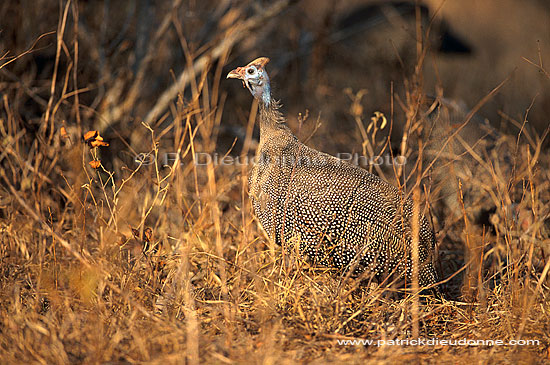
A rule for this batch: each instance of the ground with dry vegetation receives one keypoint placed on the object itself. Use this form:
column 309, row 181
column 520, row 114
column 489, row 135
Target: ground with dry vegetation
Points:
column 121, row 244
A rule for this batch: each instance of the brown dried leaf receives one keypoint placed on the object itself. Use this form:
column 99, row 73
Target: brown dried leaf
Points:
column 93, row 139
column 63, row 132
column 90, row 135
column 98, row 143
column 147, row 234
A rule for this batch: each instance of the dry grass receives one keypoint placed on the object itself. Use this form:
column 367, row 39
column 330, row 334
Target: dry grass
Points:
column 163, row 261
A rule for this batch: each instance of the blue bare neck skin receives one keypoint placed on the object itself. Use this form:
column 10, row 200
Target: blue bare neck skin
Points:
column 266, row 95
column 262, row 92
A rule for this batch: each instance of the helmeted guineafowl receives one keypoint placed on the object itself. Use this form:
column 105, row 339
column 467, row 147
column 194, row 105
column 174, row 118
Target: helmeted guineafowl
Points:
column 339, row 214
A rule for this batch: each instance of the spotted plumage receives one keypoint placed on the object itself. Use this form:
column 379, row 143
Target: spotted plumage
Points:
column 338, row 214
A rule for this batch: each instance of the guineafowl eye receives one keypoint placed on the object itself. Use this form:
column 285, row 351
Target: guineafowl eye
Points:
column 251, row 70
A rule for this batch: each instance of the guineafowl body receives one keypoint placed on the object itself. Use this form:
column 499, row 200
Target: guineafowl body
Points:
column 337, row 213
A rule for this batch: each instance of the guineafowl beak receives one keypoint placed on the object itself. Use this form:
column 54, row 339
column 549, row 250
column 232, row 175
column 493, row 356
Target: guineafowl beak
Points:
column 236, row 73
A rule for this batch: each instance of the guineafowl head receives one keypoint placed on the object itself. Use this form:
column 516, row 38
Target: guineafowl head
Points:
column 254, row 77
